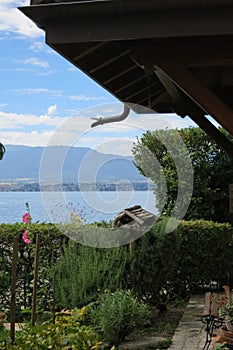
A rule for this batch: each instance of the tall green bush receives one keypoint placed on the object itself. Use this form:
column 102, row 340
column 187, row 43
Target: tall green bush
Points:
column 118, row 314
column 83, row 271
column 205, row 255
column 155, row 261
column 51, row 249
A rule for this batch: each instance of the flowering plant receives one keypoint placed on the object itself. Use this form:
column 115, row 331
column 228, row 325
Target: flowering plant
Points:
column 27, row 220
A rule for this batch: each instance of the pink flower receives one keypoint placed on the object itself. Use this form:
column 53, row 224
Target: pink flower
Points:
column 25, row 237
column 26, row 218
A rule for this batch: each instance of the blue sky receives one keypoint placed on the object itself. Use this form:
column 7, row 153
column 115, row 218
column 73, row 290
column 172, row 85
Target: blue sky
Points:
column 42, row 95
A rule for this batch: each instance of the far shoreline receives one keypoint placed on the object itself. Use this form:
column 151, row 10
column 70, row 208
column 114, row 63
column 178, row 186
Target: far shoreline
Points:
column 125, row 185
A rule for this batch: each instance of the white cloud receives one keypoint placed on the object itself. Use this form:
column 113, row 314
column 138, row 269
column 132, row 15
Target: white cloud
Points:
column 27, row 129
column 35, row 62
column 33, row 138
column 148, row 121
column 41, row 46
column 72, row 69
column 120, row 146
column 159, row 121
column 14, row 21
column 86, row 98
column 115, row 138
column 19, row 121
column 52, row 109
column 133, row 126
column 143, row 122
column 2, row 105
column 54, row 93
column 37, row 46
column 15, row 69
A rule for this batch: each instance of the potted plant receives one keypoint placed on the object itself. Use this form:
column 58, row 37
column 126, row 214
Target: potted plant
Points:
column 226, row 308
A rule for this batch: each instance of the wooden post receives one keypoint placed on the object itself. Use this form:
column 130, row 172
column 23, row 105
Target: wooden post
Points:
column 131, row 252
column 13, row 287
column 36, row 270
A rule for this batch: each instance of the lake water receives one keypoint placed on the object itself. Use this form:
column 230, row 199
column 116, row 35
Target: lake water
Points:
column 56, row 206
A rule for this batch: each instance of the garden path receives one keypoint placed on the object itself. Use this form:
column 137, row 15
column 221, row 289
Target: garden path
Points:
column 189, row 335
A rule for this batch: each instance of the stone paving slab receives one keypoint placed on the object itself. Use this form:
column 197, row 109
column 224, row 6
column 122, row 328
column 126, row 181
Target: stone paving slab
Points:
column 144, row 343
column 190, row 333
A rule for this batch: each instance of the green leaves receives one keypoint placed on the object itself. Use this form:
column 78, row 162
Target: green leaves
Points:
column 51, row 247
column 2, row 151
column 64, row 334
column 159, row 155
column 83, row 270
column 163, row 265
column 118, row 314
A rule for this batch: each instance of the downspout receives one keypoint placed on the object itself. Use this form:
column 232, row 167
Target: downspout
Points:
column 114, row 118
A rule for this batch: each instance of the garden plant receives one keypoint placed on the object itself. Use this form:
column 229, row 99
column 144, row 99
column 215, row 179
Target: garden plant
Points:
column 104, row 301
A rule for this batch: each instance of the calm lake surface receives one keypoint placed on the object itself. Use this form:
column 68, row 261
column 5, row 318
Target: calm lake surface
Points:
column 57, row 206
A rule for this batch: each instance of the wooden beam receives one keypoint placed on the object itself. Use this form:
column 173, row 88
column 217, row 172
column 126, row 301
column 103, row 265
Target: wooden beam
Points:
column 109, row 61
column 190, row 85
column 150, row 101
column 116, row 76
column 132, row 82
column 213, row 132
column 108, row 20
column 88, row 51
column 138, row 92
column 134, row 217
column 199, row 93
column 169, row 86
column 185, row 106
column 192, row 53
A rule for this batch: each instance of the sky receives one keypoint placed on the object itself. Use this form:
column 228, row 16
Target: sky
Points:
column 45, row 100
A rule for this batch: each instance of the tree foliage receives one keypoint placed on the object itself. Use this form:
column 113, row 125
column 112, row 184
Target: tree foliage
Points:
column 160, row 155
column 2, row 150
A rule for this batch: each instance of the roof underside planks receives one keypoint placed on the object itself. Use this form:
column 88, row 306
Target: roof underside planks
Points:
column 165, row 56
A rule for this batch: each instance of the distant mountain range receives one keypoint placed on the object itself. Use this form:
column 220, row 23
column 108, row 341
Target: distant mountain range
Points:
column 22, row 163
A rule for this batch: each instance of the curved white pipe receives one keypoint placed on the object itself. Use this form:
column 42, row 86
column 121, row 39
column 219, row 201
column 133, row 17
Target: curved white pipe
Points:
column 114, row 118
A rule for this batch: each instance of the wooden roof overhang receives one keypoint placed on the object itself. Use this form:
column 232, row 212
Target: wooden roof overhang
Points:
column 170, row 56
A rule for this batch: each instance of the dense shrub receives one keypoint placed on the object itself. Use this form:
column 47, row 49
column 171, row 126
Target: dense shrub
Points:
column 51, row 243
column 162, row 265
column 118, row 314
column 177, row 263
column 155, row 262
column 205, row 255
column 66, row 333
column 83, row 271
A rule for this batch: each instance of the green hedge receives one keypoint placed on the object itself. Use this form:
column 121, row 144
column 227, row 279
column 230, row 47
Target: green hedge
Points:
column 162, row 264
column 51, row 242
column 194, row 255
column 155, row 260
column 205, row 255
